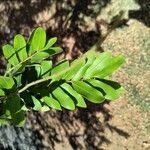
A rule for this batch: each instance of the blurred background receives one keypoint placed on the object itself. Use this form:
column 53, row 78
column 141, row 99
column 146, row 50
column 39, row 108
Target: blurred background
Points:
column 123, row 26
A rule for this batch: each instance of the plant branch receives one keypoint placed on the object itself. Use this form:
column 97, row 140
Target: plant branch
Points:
column 55, row 75
column 11, row 69
column 94, row 47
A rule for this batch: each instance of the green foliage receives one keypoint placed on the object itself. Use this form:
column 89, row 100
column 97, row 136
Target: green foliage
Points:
column 33, row 82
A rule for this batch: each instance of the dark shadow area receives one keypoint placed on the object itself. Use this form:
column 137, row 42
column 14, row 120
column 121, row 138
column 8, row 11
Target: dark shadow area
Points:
column 2, row 65
column 82, row 128
column 67, row 20
column 19, row 15
column 143, row 14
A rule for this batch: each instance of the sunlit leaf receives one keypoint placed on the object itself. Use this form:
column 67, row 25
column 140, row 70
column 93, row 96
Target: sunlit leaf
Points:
column 45, row 108
column 58, row 68
column 4, row 121
column 6, row 82
column 100, row 62
column 46, row 67
column 43, row 54
column 18, row 80
column 20, row 46
column 72, row 71
column 37, row 104
column 51, row 102
column 114, row 85
column 50, row 42
column 37, row 40
column 2, row 93
column 77, row 97
column 18, row 69
column 110, row 92
column 38, row 70
column 88, row 91
column 10, row 55
column 63, row 98
column 80, row 73
column 33, row 82
column 111, row 67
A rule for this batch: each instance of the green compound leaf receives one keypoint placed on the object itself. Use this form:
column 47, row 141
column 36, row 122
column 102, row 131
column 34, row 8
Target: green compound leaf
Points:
column 56, row 50
column 10, row 55
column 51, row 102
column 37, row 104
column 63, row 98
column 4, row 121
column 80, row 73
column 18, row 79
column 110, row 92
column 46, row 67
column 119, row 89
column 59, row 68
column 89, row 92
column 20, row 47
column 6, row 82
column 48, row 99
column 70, row 73
column 37, row 40
column 38, row 70
column 99, row 63
column 45, row 53
column 50, row 43
column 76, row 96
column 44, row 108
column 18, row 69
column 113, row 65
column 33, row 82
column 2, row 93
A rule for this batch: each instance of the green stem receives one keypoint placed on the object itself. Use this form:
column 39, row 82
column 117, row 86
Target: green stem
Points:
column 55, row 75
column 13, row 68
column 34, row 83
